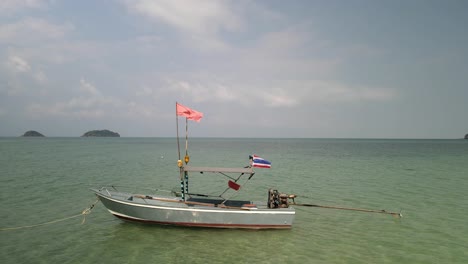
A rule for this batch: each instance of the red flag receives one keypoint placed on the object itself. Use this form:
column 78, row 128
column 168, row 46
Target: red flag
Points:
column 190, row 114
column 233, row 185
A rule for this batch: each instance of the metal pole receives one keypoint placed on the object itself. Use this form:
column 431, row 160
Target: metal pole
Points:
column 186, row 158
column 182, row 185
column 186, row 136
column 399, row 215
column 179, row 162
column 186, row 182
column 177, row 127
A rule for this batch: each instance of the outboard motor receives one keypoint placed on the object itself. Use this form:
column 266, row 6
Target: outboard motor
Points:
column 277, row 199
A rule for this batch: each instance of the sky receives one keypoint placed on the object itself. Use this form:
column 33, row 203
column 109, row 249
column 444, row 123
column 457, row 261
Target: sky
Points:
column 289, row 69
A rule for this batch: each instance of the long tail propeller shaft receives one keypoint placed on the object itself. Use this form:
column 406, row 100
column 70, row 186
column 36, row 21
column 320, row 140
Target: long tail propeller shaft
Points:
column 394, row 214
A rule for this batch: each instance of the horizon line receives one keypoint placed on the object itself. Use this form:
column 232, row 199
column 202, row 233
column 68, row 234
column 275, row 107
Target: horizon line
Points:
column 254, row 137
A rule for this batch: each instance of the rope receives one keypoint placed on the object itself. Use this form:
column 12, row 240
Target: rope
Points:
column 85, row 212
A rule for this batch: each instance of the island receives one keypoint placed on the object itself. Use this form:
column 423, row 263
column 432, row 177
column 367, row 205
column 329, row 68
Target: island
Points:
column 466, row 136
column 100, row 133
column 32, row 133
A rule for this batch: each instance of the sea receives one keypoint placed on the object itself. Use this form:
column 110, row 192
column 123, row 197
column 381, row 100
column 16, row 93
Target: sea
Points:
column 45, row 186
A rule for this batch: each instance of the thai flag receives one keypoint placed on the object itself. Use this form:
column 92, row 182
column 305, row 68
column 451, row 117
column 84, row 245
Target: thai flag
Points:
column 259, row 162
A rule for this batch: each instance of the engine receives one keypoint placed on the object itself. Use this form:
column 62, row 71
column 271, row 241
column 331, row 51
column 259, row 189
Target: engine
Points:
column 277, row 199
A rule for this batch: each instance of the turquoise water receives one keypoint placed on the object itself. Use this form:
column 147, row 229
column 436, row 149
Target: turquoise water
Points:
column 44, row 179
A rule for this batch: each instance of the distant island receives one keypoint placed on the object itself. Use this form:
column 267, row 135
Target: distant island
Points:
column 100, row 133
column 466, row 136
column 32, row 133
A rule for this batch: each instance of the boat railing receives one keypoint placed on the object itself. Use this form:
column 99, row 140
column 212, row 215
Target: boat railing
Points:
column 227, row 172
column 134, row 189
column 247, row 170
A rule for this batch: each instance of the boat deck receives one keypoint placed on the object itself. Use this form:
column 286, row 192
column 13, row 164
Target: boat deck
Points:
column 231, row 203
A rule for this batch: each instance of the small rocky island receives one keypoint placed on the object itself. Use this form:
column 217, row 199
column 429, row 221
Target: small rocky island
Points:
column 32, row 133
column 466, row 136
column 100, row 133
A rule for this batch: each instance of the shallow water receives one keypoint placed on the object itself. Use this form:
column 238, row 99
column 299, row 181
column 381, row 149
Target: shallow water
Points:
column 44, row 179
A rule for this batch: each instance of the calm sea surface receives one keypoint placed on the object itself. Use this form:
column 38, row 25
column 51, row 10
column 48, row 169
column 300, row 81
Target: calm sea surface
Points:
column 45, row 179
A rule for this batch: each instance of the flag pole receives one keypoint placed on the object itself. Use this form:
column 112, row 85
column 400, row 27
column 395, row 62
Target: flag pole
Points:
column 186, row 158
column 179, row 161
column 177, row 128
column 186, row 140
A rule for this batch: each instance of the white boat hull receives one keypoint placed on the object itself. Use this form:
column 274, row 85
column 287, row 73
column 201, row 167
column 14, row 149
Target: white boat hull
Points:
column 173, row 211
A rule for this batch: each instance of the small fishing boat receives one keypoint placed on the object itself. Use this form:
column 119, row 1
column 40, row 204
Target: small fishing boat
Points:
column 201, row 210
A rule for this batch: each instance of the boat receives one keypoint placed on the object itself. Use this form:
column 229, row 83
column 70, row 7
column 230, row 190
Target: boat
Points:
column 202, row 210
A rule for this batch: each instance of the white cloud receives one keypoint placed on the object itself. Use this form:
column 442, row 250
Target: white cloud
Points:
column 88, row 88
column 10, row 6
column 18, row 64
column 20, row 72
column 277, row 93
column 90, row 103
column 198, row 22
column 30, row 30
column 205, row 91
column 40, row 77
column 279, row 69
column 278, row 98
column 65, row 110
column 144, row 91
column 319, row 91
column 134, row 109
column 274, row 72
column 290, row 53
column 199, row 17
column 77, row 107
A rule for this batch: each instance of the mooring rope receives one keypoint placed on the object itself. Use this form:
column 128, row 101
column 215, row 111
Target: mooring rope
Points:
column 85, row 212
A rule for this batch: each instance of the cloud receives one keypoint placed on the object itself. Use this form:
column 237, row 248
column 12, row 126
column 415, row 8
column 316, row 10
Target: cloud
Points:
column 20, row 75
column 69, row 109
column 31, row 43
column 77, row 107
column 283, row 68
column 89, row 103
column 88, row 88
column 144, row 91
column 303, row 92
column 203, row 17
column 205, row 90
column 98, row 107
column 139, row 110
column 276, row 68
column 40, row 77
column 276, row 93
column 286, row 68
column 18, row 64
column 11, row 6
column 30, row 30
column 198, row 22
column 279, row 98
column 334, row 92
